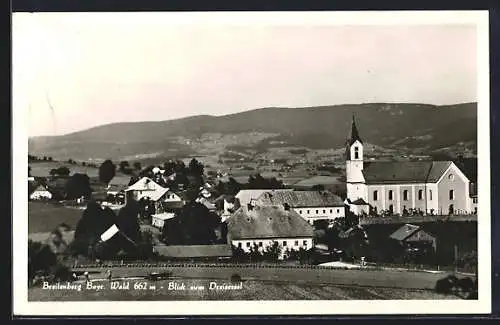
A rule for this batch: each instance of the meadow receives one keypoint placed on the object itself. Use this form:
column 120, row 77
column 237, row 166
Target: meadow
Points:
column 44, row 217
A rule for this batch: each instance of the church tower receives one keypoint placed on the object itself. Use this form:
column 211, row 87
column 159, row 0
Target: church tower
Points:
column 355, row 180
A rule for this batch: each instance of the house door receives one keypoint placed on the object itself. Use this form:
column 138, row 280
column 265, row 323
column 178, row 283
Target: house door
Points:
column 451, row 209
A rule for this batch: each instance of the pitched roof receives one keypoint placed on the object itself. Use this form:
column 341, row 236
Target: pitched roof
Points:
column 156, row 194
column 354, row 133
column 38, row 188
column 301, row 198
column 164, row 216
column 144, row 184
column 390, row 172
column 193, row 251
column 359, row 201
column 245, row 196
column 267, row 222
column 404, row 232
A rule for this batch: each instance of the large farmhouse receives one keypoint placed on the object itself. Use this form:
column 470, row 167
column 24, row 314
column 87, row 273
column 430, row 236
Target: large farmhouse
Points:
column 263, row 225
column 429, row 187
column 310, row 205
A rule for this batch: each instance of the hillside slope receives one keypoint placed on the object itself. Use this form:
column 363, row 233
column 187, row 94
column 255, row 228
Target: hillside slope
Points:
column 409, row 125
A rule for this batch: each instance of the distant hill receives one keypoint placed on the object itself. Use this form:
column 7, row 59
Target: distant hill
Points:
column 397, row 125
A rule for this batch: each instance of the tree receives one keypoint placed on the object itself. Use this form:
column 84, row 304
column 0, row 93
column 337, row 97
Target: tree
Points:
column 193, row 225
column 107, row 171
column 137, row 165
column 195, row 167
column 77, row 186
column 272, row 252
column 60, row 171
column 95, row 221
column 124, row 165
column 318, row 187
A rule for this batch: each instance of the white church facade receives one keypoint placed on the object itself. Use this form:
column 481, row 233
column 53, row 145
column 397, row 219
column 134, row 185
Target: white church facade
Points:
column 426, row 187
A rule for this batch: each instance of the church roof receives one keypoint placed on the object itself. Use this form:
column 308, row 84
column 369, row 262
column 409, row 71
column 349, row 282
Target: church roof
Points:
column 354, row 133
column 392, row 172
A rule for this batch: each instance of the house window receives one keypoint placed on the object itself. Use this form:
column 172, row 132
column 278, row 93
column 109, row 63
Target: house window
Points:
column 300, row 211
column 248, row 244
column 307, row 211
column 260, row 244
column 324, row 211
column 390, row 194
column 420, row 194
column 405, row 195
column 356, row 153
column 338, row 210
column 239, row 245
column 317, row 211
column 430, row 195
column 391, row 209
column 474, row 200
column 284, row 243
column 296, row 243
column 375, row 195
column 304, row 243
column 452, row 195
column 331, row 210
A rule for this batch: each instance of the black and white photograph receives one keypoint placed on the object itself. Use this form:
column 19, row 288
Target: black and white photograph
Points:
column 260, row 163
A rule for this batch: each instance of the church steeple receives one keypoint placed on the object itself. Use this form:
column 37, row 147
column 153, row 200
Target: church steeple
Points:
column 354, row 132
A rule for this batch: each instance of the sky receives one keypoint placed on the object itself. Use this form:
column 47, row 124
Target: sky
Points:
column 74, row 71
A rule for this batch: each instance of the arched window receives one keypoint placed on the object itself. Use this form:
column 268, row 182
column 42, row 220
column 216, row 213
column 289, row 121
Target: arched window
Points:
column 375, row 195
column 356, row 153
column 405, row 195
column 452, row 195
column 420, row 194
column 390, row 194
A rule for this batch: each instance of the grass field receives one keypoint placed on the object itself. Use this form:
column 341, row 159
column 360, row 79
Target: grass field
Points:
column 250, row 290
column 376, row 278
column 45, row 217
column 42, row 169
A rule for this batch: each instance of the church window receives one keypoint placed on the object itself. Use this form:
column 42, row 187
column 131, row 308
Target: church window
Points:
column 356, row 153
column 452, row 195
column 375, row 195
column 390, row 194
column 420, row 194
column 405, row 195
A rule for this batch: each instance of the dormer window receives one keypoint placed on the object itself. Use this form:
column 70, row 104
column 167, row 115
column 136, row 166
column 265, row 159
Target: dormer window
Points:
column 356, row 152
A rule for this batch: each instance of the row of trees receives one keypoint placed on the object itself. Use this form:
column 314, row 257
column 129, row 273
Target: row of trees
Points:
column 232, row 187
column 272, row 253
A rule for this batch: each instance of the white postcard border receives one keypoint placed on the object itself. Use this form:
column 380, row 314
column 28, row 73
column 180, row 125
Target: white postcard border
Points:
column 21, row 306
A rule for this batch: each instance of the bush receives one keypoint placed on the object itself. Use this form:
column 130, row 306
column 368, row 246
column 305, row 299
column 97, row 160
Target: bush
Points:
column 235, row 277
column 446, row 285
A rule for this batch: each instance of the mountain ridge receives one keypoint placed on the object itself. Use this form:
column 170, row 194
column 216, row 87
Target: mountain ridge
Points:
column 385, row 124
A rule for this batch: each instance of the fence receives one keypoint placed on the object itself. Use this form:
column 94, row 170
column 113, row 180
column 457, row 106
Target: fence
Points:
column 415, row 219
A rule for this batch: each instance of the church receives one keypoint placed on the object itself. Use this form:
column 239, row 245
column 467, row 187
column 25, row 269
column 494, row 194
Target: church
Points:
column 404, row 187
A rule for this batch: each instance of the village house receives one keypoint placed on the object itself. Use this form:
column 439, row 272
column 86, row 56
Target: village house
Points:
column 310, row 205
column 40, row 193
column 263, row 225
column 425, row 187
column 413, row 237
column 158, row 220
column 145, row 187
